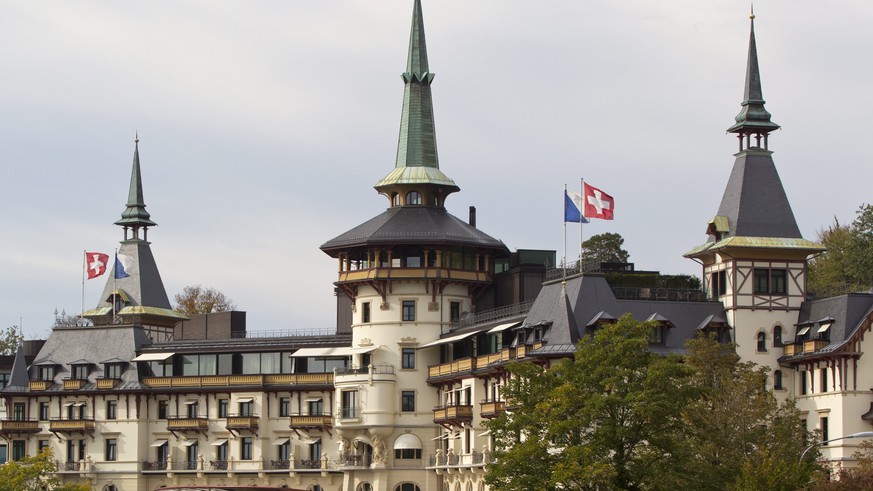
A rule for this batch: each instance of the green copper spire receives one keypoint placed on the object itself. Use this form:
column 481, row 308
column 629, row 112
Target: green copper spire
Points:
column 417, row 162
column 135, row 215
column 753, row 119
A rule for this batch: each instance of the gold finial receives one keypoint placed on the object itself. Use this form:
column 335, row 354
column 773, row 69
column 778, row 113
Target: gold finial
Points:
column 752, row 12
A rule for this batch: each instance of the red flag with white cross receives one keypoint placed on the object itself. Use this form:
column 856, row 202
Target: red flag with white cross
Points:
column 597, row 203
column 95, row 264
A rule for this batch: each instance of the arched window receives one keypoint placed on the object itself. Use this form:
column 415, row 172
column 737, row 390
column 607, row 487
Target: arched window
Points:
column 413, row 198
column 469, row 486
column 777, row 336
column 777, row 379
column 407, row 486
column 315, row 487
column 762, row 342
column 365, row 486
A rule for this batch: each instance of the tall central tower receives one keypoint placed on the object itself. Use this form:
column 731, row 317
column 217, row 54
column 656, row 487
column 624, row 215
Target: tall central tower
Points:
column 408, row 274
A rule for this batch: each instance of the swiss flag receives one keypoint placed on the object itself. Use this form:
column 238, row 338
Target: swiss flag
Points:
column 597, row 203
column 95, row 264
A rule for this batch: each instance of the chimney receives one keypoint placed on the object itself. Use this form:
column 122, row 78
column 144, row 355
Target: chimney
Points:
column 472, row 216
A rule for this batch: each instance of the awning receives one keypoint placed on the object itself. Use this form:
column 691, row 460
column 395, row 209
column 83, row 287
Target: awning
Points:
column 188, row 443
column 188, row 403
column 441, row 437
column 153, row 356
column 407, row 441
column 159, row 443
column 79, row 404
column 68, row 404
column 309, row 441
column 335, row 351
column 484, row 433
column 451, row 339
column 803, row 331
column 281, row 441
column 245, row 399
column 218, row 443
column 364, row 439
column 503, row 327
column 824, row 328
column 313, row 399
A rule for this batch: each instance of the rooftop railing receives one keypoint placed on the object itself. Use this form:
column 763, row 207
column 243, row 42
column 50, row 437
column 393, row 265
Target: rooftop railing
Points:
column 474, row 318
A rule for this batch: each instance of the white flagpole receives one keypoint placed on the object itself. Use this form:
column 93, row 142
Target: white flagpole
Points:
column 582, row 219
column 114, row 285
column 564, row 203
column 84, row 265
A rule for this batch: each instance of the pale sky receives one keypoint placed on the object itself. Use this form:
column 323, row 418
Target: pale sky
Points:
column 265, row 124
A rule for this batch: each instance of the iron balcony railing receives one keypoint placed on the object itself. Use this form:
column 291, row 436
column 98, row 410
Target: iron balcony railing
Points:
column 474, row 318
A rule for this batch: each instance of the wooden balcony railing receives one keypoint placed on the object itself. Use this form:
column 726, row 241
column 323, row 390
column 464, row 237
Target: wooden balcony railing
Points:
column 107, row 383
column 457, row 366
column 19, row 426
column 792, row 349
column 74, row 384
column 39, row 385
column 455, row 414
column 302, row 421
column 492, row 409
column 325, row 379
column 417, row 273
column 242, row 422
column 72, row 425
column 187, row 424
column 814, row 345
column 482, row 362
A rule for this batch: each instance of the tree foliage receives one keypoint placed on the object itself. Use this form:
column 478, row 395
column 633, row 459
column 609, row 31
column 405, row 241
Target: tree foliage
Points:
column 605, row 248
column 34, row 474
column 617, row 416
column 195, row 299
column 9, row 340
column 848, row 262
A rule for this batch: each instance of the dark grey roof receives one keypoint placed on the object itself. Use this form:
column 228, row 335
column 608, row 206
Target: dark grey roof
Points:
column 414, row 225
column 144, row 286
column 754, row 200
column 589, row 295
column 18, row 377
column 69, row 345
column 847, row 312
column 554, row 310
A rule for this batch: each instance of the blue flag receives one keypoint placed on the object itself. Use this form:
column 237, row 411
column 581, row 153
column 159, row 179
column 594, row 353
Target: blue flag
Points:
column 573, row 207
column 122, row 264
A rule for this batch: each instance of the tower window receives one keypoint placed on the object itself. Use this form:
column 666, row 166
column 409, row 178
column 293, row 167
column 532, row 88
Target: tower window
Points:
column 777, row 380
column 395, row 199
column 365, row 312
column 762, row 342
column 413, row 198
column 719, row 283
column 777, row 336
column 770, row 281
column 408, row 359
column 407, row 401
column 408, row 310
column 455, row 312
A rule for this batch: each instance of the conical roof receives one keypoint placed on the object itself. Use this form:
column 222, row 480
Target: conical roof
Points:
column 753, row 118
column 135, row 214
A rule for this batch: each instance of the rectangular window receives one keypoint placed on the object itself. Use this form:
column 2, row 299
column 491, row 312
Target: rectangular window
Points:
column 162, row 409
column 4, row 381
column 192, row 409
column 408, row 358
column 824, row 428
column 315, row 407
column 284, row 407
column 190, row 365
column 408, row 310
column 823, row 376
column 762, row 281
column 43, row 411
column 247, row 408
column 407, row 453
column 111, row 409
column 455, row 312
column 111, row 449
column 112, row 370
column 657, row 335
column 407, row 401
column 284, row 451
column 18, row 412
column 225, row 364
column 222, row 408
column 349, row 404
column 803, row 389
column 245, row 448
column 777, row 281
column 41, row 445
column 251, row 363
column 46, row 373
column 17, row 449
column 365, row 312
column 80, row 372
column 221, row 452
column 315, row 450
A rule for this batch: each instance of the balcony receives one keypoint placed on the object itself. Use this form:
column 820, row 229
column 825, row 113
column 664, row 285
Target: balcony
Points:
column 792, row 349
column 453, row 415
column 72, row 426
column 492, row 409
column 363, row 275
column 249, row 422
column 187, row 424
column 40, row 385
column 813, row 345
column 310, row 421
column 457, row 366
column 74, row 383
column 8, row 426
column 107, row 383
column 464, row 460
column 319, row 379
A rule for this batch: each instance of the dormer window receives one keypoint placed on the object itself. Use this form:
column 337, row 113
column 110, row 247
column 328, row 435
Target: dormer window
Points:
column 824, row 332
column 413, row 198
column 46, row 372
column 79, row 372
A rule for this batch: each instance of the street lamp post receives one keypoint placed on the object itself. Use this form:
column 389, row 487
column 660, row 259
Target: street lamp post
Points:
column 863, row 434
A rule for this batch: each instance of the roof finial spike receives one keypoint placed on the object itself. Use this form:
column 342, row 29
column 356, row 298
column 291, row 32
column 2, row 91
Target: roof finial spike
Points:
column 136, row 138
column 752, row 12
column 753, row 118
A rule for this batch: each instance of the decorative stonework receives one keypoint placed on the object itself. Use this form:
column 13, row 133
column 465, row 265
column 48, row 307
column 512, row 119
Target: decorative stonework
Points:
column 433, row 306
column 384, row 306
column 366, row 342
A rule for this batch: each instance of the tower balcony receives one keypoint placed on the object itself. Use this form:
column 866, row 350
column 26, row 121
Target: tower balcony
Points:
column 430, row 273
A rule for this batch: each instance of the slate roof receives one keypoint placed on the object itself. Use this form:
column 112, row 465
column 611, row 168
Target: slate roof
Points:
column 847, row 312
column 92, row 344
column 588, row 295
column 413, row 225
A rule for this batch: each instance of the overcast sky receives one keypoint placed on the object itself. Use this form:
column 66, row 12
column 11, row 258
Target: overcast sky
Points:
column 265, row 124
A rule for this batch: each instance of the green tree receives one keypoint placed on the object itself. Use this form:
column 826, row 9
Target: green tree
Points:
column 9, row 340
column 605, row 248
column 737, row 436
column 34, row 474
column 195, row 299
column 848, row 262
column 608, row 418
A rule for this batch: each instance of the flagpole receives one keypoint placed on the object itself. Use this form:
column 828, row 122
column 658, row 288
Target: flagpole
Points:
column 84, row 265
column 581, row 220
column 564, row 263
column 114, row 285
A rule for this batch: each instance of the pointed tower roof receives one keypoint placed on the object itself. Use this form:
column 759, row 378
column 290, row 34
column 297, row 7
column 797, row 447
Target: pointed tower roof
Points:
column 19, row 376
column 135, row 215
column 417, row 162
column 753, row 118
column 754, row 210
column 136, row 293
